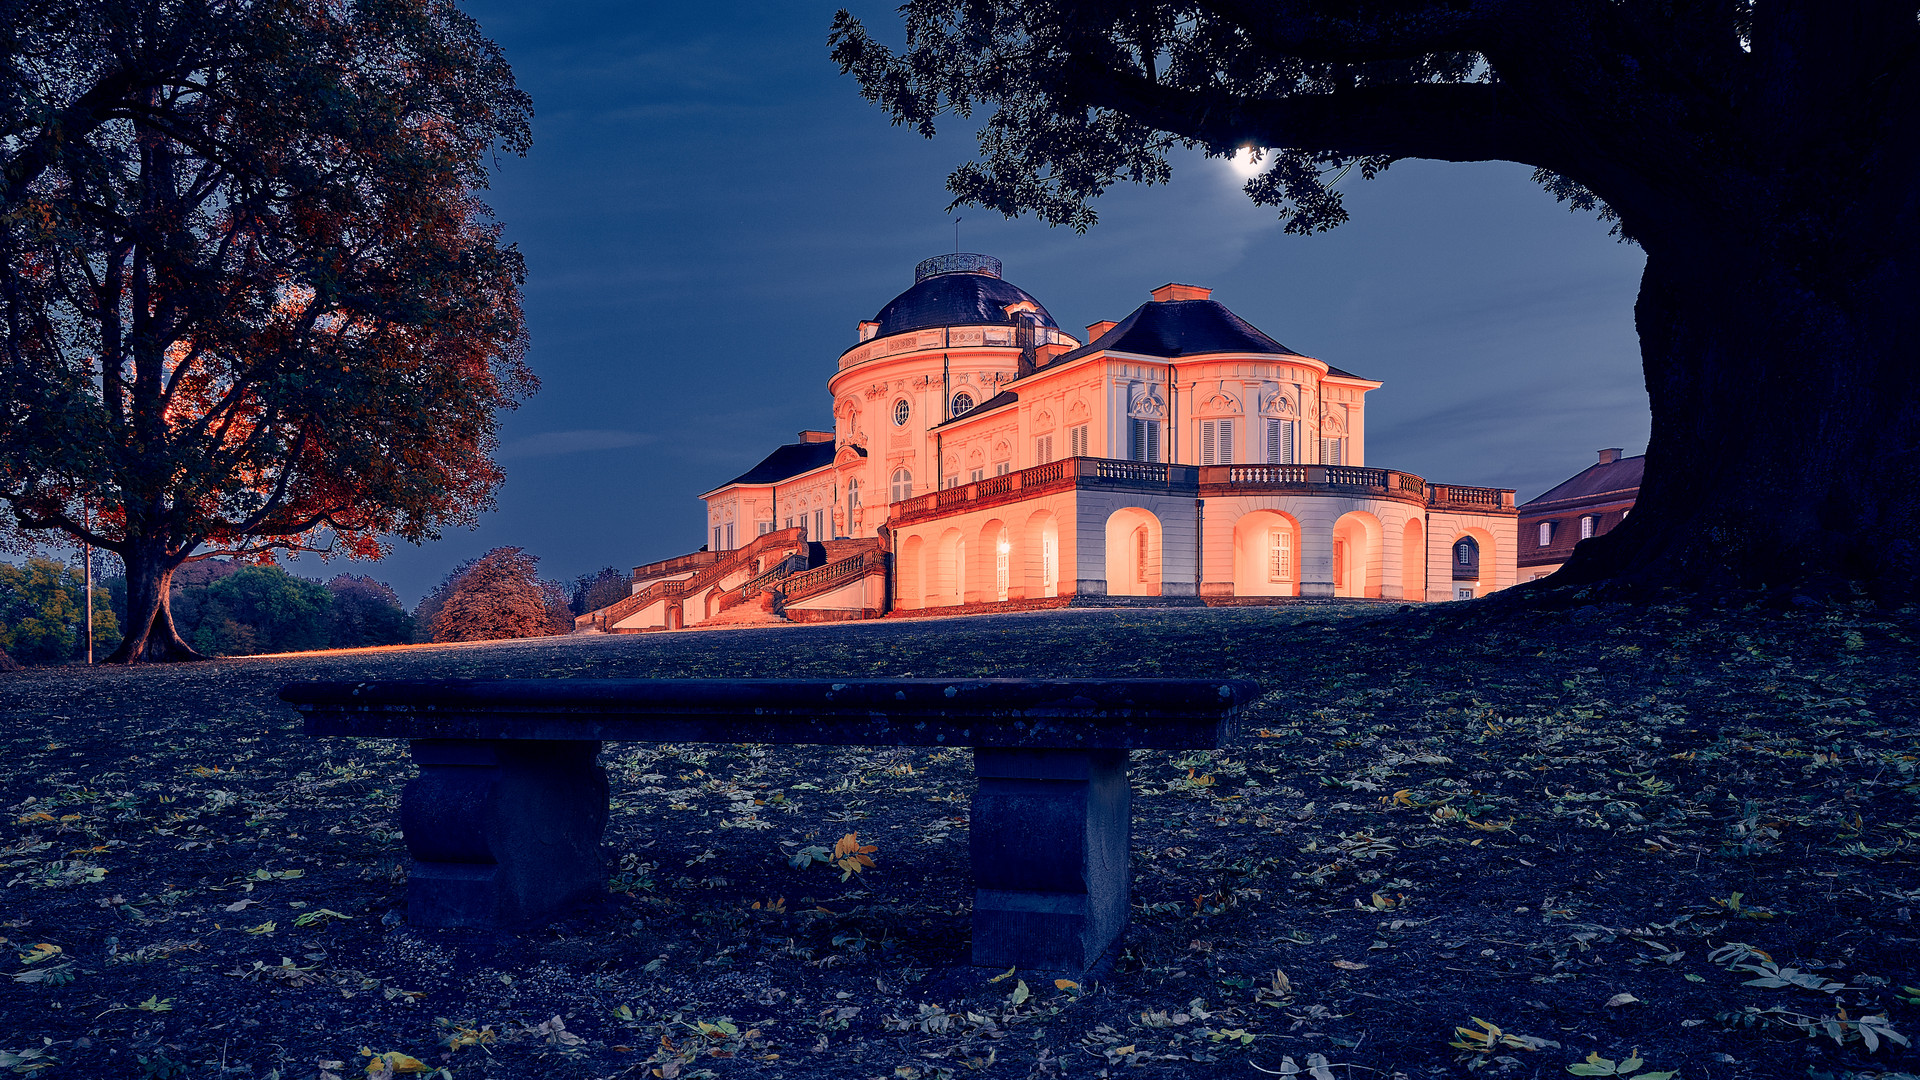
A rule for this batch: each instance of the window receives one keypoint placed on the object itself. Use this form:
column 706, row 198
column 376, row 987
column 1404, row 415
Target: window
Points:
column 1002, row 468
column 962, row 403
column 716, row 538
column 1546, row 533
column 1279, row 555
column 1279, row 442
column 901, row 410
column 1143, row 440
column 1589, row 524
column 977, row 475
column 1463, row 594
column 1001, row 551
column 1077, row 441
column 1042, row 449
column 729, row 536
column 1332, row 451
column 819, row 524
column 902, row 486
column 1466, row 559
column 790, row 521
column 765, row 527
column 1140, row 544
column 1216, row 442
column 1463, row 553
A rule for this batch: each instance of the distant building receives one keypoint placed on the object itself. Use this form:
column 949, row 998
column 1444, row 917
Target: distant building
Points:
column 1585, row 506
column 982, row 457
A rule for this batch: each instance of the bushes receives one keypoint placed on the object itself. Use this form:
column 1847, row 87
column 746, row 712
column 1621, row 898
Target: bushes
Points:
column 498, row 595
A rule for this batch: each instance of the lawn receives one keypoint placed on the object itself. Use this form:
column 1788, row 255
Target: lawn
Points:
column 1479, row 838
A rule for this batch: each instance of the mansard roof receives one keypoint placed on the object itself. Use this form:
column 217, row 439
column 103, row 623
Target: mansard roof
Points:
column 1174, row 329
column 786, row 462
column 1619, row 478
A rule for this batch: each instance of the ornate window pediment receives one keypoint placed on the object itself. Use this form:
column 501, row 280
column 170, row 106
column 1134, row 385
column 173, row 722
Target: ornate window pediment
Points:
column 1148, row 403
column 1042, row 420
column 1221, row 402
column 1077, row 411
column 1333, row 420
column 1279, row 404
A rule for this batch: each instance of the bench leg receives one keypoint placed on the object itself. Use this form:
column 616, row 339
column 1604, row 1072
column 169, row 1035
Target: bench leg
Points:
column 1050, row 831
column 503, row 832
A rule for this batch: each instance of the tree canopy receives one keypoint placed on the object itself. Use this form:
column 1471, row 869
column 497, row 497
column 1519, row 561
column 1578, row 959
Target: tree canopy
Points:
column 250, row 299
column 498, row 595
column 43, row 606
column 1762, row 152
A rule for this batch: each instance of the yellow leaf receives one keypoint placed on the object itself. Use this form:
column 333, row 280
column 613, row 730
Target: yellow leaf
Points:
column 1348, row 965
column 1065, row 984
column 393, row 1061
column 1007, row 974
column 264, row 928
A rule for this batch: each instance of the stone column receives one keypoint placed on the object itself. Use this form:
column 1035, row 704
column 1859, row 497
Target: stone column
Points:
column 1050, row 831
column 503, row 832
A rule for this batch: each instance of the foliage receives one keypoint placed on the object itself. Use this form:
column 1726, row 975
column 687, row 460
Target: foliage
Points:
column 499, row 595
column 262, row 609
column 603, row 587
column 249, row 297
column 366, row 612
column 43, row 613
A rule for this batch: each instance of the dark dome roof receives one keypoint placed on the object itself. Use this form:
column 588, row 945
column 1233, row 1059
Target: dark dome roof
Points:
column 955, row 290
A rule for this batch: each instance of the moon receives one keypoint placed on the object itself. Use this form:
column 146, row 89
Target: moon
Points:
column 1243, row 164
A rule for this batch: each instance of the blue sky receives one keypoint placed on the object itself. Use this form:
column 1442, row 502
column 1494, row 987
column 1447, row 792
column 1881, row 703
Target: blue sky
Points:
column 709, row 209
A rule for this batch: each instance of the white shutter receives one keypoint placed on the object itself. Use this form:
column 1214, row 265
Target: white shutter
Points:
column 1153, row 441
column 1226, row 442
column 1206, row 442
column 1330, row 451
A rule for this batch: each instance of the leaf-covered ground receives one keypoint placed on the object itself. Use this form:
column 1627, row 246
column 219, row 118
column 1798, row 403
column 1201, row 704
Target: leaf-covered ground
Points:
column 1469, row 838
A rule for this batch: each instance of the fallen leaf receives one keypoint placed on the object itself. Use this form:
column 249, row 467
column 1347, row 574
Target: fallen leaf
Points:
column 1348, row 965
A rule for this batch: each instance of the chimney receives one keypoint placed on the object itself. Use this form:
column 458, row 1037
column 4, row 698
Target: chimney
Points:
column 816, row 436
column 1173, row 291
column 1094, row 330
column 1610, row 455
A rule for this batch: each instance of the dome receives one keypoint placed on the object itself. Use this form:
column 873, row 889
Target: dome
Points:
column 961, row 289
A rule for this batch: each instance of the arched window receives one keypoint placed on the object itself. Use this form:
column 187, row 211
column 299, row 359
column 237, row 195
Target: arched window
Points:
column 962, row 403
column 901, row 410
column 902, row 485
column 1466, row 559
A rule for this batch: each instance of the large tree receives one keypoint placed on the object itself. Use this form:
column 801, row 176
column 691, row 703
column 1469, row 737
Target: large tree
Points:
column 249, row 297
column 1764, row 153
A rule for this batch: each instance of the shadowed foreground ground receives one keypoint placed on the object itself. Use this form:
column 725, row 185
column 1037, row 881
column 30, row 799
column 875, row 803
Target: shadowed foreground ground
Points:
column 1691, row 833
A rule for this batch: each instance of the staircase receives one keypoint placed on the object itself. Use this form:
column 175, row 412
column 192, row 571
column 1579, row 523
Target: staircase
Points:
column 784, row 545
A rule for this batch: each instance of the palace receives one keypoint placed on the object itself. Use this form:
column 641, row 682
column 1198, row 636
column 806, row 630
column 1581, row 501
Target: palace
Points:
column 982, row 458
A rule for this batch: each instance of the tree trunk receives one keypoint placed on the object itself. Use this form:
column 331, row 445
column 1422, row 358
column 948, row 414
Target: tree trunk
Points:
column 151, row 636
column 1785, row 452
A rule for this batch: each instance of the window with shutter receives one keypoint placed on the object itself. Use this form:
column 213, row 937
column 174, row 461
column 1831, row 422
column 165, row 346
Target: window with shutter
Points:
column 765, row 527
column 1226, row 442
column 1331, row 451
column 716, row 538
column 1077, row 440
column 1002, row 468
column 1546, row 533
column 729, row 536
column 1279, row 442
column 1143, row 440
column 977, row 475
column 820, row 524
column 902, row 485
column 1589, row 524
column 1207, row 443
column 1042, row 449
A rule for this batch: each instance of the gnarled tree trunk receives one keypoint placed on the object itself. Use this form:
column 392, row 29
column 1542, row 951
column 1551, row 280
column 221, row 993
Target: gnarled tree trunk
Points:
column 1785, row 451
column 150, row 632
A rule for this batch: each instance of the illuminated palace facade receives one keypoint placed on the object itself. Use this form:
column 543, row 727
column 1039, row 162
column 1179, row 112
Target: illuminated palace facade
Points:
column 981, row 457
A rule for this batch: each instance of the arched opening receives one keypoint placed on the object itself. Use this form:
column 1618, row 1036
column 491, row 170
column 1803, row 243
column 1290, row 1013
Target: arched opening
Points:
column 1413, row 561
column 1466, row 559
column 1475, row 575
column 946, row 577
column 1356, row 555
column 1133, row 553
column 1266, row 554
column 909, row 573
column 1040, row 554
column 990, row 574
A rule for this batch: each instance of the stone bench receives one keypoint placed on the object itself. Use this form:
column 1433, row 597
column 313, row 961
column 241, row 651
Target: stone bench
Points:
column 504, row 820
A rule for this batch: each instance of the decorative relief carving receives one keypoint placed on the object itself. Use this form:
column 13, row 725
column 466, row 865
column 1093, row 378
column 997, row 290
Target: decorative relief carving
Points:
column 975, row 457
column 1042, row 420
column 1002, row 450
column 1279, row 404
column 1148, row 404
column 1078, row 410
column 1221, row 402
column 1333, row 420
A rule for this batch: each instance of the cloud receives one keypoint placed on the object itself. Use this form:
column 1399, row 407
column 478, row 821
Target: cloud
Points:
column 551, row 443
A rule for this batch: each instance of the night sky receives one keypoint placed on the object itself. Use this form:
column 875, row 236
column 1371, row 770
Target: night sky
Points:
column 709, row 210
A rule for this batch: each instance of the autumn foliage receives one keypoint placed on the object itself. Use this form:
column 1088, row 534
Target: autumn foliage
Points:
column 498, row 595
column 250, row 299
